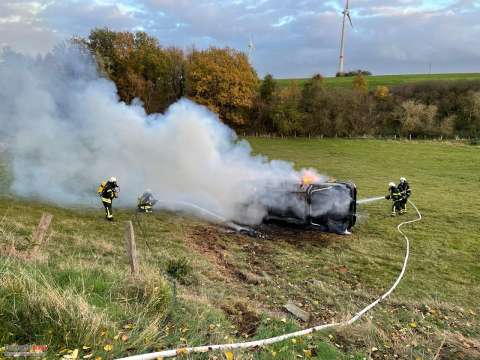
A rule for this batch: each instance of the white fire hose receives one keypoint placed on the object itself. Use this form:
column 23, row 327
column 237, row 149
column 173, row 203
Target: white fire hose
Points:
column 276, row 339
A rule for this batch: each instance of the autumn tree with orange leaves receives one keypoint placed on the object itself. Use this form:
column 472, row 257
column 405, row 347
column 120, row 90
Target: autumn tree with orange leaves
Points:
column 139, row 66
column 224, row 81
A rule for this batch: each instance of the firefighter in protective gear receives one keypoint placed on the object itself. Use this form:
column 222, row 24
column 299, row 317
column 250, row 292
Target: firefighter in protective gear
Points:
column 396, row 198
column 146, row 202
column 405, row 191
column 108, row 191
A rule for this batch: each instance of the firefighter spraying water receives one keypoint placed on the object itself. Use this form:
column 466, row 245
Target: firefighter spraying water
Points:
column 398, row 194
column 405, row 192
column 396, row 197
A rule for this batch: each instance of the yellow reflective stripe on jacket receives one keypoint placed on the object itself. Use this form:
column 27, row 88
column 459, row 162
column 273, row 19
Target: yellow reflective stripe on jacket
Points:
column 107, row 200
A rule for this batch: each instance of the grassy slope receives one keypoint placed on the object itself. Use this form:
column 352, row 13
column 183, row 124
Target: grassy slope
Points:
column 236, row 280
column 389, row 80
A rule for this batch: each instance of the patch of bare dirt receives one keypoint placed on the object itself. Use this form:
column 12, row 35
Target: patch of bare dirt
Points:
column 207, row 241
column 210, row 242
column 254, row 265
column 245, row 318
column 298, row 236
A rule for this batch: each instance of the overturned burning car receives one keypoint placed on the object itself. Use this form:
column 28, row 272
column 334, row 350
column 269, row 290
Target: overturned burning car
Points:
column 326, row 206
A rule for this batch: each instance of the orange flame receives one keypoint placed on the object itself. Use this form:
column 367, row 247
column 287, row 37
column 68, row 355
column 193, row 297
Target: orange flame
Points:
column 309, row 178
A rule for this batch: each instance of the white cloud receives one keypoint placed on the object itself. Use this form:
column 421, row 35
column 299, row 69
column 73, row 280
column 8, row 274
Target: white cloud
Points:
column 284, row 20
column 292, row 38
column 10, row 19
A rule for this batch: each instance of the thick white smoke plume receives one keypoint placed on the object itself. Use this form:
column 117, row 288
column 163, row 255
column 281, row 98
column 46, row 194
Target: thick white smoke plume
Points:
column 66, row 131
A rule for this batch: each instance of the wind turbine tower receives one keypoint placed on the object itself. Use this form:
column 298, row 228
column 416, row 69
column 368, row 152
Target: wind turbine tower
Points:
column 346, row 14
column 251, row 48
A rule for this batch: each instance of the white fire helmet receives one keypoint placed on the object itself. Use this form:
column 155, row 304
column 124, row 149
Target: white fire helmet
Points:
column 390, row 185
column 402, row 179
column 113, row 179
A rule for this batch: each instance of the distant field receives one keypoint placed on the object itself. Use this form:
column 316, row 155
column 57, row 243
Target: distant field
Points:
column 389, row 80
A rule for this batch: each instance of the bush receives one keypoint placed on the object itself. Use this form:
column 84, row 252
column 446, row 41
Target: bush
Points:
column 418, row 119
column 180, row 269
column 360, row 83
column 354, row 73
column 381, row 92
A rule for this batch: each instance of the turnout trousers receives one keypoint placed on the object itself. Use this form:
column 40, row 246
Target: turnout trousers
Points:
column 397, row 206
column 404, row 205
column 108, row 210
column 145, row 208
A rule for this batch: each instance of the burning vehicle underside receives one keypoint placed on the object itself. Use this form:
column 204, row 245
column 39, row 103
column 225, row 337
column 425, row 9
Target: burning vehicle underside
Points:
column 323, row 206
column 329, row 207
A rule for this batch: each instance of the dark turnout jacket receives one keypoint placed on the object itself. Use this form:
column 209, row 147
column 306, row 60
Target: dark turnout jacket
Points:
column 109, row 192
column 395, row 194
column 404, row 189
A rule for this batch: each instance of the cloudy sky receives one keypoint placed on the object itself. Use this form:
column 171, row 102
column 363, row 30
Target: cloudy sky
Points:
column 293, row 38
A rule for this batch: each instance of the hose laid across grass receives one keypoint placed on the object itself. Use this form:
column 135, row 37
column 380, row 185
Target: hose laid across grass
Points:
column 276, row 339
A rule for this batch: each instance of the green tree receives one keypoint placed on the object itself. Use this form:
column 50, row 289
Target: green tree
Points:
column 261, row 114
column 468, row 118
column 286, row 115
column 139, row 66
column 313, row 105
column 267, row 88
column 311, row 92
column 101, row 44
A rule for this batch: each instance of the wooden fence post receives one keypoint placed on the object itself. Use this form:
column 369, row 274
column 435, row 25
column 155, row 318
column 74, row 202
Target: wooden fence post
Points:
column 40, row 231
column 131, row 247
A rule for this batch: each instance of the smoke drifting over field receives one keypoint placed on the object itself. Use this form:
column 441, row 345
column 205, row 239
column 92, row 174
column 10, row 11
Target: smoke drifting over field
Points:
column 66, row 131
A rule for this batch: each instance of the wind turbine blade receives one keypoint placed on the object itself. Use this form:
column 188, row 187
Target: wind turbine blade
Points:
column 350, row 19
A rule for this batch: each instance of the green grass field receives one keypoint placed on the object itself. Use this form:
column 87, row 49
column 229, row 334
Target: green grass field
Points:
column 76, row 292
column 388, row 80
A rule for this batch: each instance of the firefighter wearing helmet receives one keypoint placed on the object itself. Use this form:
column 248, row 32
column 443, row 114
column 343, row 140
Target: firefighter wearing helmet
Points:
column 146, row 202
column 405, row 192
column 396, row 197
column 108, row 190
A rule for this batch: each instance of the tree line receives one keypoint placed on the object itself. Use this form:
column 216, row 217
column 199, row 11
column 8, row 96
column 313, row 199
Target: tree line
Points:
column 223, row 80
column 427, row 109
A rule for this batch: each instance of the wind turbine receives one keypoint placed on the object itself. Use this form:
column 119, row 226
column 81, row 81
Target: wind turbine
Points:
column 251, row 48
column 346, row 14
